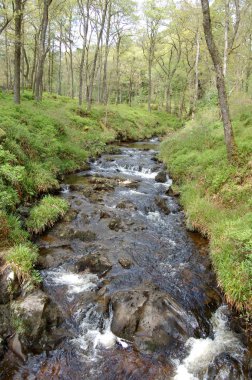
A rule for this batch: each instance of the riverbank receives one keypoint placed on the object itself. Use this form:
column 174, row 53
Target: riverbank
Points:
column 40, row 142
column 217, row 196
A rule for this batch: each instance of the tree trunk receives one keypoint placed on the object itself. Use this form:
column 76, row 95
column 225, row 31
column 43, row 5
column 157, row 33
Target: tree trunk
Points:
column 60, row 62
column 17, row 52
column 196, row 85
column 42, row 51
column 168, row 98
column 83, row 53
column 91, row 84
column 149, row 84
column 225, row 57
column 71, row 55
column 220, row 82
column 105, row 68
column 118, row 45
column 6, row 61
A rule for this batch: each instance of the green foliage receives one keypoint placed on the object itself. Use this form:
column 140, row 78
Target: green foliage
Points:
column 217, row 196
column 46, row 213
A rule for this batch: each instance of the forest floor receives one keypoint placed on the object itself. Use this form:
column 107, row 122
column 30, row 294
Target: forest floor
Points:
column 217, row 196
column 39, row 143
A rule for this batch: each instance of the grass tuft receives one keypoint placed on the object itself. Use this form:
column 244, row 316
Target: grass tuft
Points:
column 46, row 213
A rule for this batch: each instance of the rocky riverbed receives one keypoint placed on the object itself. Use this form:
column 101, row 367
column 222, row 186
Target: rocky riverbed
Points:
column 127, row 292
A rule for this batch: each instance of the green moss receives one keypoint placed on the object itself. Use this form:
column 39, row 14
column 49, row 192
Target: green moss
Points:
column 217, row 196
column 46, row 213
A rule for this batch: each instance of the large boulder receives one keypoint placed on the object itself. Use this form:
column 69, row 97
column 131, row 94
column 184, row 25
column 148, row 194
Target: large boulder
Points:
column 34, row 317
column 151, row 319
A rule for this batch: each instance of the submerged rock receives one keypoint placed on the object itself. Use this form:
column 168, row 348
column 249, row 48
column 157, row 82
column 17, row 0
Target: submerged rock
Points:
column 125, row 263
column 224, row 367
column 116, row 224
column 162, row 205
column 161, row 177
column 126, row 204
column 95, row 262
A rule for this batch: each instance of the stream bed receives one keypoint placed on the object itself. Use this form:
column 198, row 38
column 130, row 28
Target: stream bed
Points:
column 135, row 290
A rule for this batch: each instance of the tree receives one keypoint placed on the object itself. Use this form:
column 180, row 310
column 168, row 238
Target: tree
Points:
column 17, row 54
column 220, row 82
column 42, row 51
column 153, row 16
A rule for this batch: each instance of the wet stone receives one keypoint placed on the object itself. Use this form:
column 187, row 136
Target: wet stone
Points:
column 225, row 367
column 116, row 225
column 36, row 316
column 104, row 215
column 125, row 263
column 126, row 204
column 9, row 285
column 161, row 177
column 162, row 205
column 70, row 215
column 95, row 262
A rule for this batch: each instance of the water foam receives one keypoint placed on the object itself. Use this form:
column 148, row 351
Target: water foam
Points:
column 74, row 282
column 92, row 336
column 203, row 351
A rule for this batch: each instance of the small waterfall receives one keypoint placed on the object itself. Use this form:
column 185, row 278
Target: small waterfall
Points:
column 95, row 332
column 202, row 352
column 65, row 189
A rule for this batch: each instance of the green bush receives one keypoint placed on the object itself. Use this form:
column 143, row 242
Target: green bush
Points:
column 46, row 213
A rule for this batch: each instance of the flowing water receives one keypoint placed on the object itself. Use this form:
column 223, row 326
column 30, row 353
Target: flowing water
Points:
column 135, row 288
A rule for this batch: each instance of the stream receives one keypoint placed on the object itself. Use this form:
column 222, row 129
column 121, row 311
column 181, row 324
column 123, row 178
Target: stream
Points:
column 136, row 292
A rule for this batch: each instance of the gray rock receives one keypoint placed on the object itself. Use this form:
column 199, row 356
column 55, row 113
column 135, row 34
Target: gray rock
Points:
column 33, row 317
column 150, row 318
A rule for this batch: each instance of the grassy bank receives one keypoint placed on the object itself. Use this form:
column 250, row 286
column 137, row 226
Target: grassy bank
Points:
column 217, row 196
column 41, row 142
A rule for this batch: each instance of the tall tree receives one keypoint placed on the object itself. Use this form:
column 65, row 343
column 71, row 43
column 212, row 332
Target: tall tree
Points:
column 42, row 51
column 220, row 82
column 17, row 53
